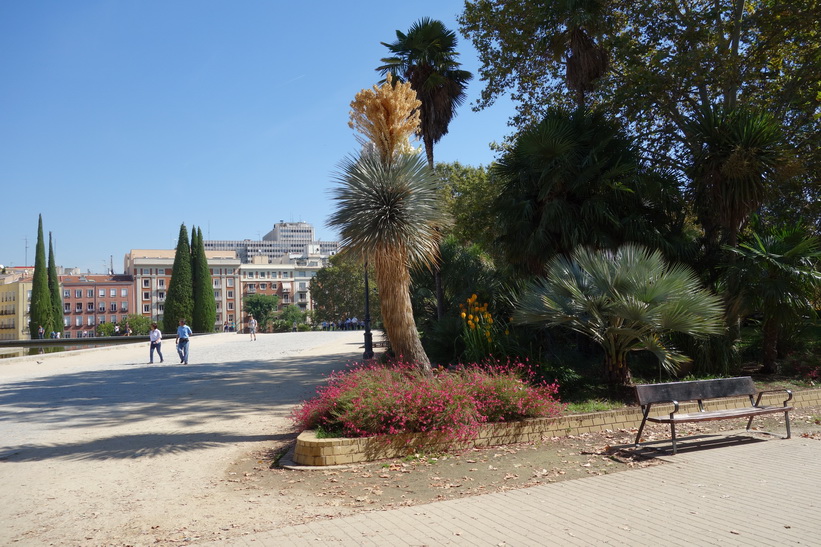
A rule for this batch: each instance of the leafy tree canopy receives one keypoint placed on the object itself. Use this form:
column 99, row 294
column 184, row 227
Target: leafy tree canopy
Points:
column 339, row 290
column 261, row 306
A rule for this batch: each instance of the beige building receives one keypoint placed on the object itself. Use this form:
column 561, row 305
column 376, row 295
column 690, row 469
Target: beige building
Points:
column 15, row 299
column 151, row 269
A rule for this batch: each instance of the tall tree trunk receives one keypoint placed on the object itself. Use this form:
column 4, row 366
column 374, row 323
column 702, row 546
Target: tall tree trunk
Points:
column 437, row 269
column 393, row 279
column 769, row 346
column 616, row 372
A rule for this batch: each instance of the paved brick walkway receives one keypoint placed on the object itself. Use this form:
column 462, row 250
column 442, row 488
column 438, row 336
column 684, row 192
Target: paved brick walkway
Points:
column 760, row 492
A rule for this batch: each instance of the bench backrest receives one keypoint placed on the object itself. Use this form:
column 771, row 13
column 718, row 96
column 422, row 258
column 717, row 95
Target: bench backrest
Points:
column 695, row 390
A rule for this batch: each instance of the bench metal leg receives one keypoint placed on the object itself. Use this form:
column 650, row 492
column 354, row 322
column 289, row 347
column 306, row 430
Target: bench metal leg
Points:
column 673, row 435
column 643, row 422
column 787, row 421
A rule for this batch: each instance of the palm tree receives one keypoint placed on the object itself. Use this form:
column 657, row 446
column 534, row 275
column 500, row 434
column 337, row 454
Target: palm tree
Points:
column 736, row 154
column 426, row 58
column 776, row 275
column 624, row 301
column 390, row 214
column 571, row 180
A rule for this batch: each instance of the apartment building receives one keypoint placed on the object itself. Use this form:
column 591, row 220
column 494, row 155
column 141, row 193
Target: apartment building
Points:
column 151, row 270
column 15, row 299
column 284, row 240
column 289, row 278
column 91, row 300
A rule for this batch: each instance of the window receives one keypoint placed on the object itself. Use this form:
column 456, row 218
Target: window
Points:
column 123, row 292
column 113, row 307
column 252, row 287
column 219, row 306
column 217, row 295
column 160, row 283
column 113, row 318
column 90, row 306
column 90, row 293
column 230, row 305
column 146, row 283
column 146, row 295
column 78, row 293
column 146, row 308
column 78, row 307
column 161, row 271
column 161, row 307
column 101, row 293
column 66, row 321
column 216, row 283
column 263, row 286
column 66, row 308
column 78, row 321
column 161, row 295
column 303, row 286
column 67, row 293
column 230, row 294
column 112, row 293
column 90, row 321
column 101, row 319
column 124, row 306
column 146, row 271
column 101, row 307
column 229, row 282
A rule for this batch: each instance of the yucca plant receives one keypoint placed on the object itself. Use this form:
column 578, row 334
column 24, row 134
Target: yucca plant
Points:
column 625, row 301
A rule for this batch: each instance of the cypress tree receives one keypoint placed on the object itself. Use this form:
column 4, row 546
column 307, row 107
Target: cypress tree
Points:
column 54, row 289
column 179, row 302
column 40, row 312
column 205, row 307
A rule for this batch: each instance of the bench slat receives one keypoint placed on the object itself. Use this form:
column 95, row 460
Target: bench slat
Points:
column 719, row 414
column 695, row 390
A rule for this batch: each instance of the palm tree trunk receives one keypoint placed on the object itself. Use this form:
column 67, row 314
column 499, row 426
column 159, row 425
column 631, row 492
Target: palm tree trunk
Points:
column 769, row 346
column 393, row 279
column 437, row 269
column 616, row 371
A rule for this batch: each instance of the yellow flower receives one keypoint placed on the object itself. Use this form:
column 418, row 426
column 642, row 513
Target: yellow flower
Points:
column 463, row 315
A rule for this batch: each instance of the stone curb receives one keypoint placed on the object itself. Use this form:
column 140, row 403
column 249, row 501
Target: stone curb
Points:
column 312, row 453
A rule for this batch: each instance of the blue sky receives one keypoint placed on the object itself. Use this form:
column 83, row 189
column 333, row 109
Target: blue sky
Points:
column 120, row 120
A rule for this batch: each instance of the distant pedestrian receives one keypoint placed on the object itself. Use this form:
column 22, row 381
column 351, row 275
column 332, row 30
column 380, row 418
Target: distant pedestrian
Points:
column 156, row 343
column 183, row 336
column 252, row 327
column 41, row 332
column 116, row 330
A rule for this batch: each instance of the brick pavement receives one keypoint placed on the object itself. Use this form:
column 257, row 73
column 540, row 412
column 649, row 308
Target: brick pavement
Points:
column 762, row 491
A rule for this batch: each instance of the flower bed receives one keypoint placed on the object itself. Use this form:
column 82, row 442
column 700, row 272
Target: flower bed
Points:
column 447, row 406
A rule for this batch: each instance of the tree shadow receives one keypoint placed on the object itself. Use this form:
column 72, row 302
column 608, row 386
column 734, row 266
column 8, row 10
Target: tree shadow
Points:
column 147, row 445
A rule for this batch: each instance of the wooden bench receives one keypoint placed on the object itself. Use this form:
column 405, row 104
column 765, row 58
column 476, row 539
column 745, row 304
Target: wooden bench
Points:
column 701, row 390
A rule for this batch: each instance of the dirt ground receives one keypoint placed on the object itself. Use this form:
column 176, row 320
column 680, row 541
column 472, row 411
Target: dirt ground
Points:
column 418, row 479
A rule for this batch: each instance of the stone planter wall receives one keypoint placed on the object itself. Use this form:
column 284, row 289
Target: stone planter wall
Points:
column 339, row 451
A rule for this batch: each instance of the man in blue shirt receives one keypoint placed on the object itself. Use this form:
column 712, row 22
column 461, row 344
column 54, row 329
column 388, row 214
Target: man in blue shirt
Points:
column 183, row 335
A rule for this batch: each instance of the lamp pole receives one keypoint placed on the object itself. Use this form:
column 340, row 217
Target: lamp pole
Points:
column 368, row 336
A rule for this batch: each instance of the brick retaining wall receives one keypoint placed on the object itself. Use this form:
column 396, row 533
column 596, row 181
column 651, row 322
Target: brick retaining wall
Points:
column 337, row 451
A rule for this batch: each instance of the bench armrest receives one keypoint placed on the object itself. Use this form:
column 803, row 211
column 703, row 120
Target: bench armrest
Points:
column 761, row 393
column 675, row 409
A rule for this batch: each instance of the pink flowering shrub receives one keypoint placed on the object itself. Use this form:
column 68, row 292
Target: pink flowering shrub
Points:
column 370, row 399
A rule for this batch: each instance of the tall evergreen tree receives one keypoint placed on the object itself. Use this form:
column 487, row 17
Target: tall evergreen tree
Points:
column 179, row 303
column 54, row 289
column 40, row 312
column 205, row 307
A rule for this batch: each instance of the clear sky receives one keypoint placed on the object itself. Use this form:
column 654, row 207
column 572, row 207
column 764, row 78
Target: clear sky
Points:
column 120, row 120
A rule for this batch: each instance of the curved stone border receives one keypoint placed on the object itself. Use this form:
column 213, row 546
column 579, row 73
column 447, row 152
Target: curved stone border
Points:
column 310, row 451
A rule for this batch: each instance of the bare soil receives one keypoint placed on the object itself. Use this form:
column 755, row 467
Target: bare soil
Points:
column 426, row 478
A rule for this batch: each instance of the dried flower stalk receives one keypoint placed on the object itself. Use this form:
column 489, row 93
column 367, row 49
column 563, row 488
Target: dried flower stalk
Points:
column 386, row 116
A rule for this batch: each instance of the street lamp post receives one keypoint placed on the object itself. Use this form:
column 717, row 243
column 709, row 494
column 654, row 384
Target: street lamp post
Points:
column 368, row 336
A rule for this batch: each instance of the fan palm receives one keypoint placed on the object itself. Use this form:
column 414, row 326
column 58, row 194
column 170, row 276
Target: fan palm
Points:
column 426, row 58
column 390, row 214
column 624, row 301
column 736, row 153
column 776, row 276
column 571, row 180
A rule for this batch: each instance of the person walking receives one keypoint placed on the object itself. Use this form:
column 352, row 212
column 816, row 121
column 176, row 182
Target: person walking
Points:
column 252, row 327
column 155, row 336
column 183, row 335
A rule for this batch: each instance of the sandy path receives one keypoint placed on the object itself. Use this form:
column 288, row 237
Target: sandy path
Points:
column 99, row 448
